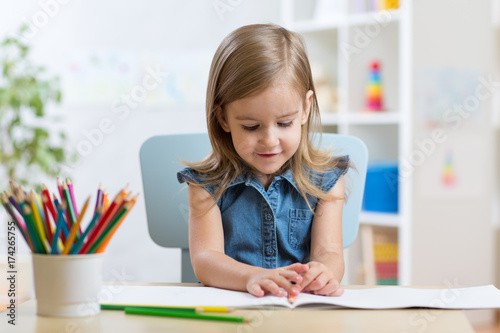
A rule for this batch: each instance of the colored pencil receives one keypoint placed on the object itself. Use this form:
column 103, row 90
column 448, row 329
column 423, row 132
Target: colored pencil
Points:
column 49, row 209
column 61, row 208
column 60, row 188
column 98, row 200
column 105, row 200
column 94, row 245
column 38, row 221
column 54, row 226
column 74, row 229
column 103, row 221
column 72, row 196
column 69, row 203
column 48, row 226
column 59, row 225
column 30, row 223
column 80, row 241
column 218, row 309
column 181, row 314
column 291, row 297
column 5, row 203
column 122, row 307
column 40, row 211
column 50, row 205
column 106, row 241
column 13, row 202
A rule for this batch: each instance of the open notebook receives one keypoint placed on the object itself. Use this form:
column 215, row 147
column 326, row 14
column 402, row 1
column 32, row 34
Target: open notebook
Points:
column 372, row 298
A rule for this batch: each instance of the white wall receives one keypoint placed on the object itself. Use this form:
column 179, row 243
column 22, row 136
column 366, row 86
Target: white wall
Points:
column 177, row 36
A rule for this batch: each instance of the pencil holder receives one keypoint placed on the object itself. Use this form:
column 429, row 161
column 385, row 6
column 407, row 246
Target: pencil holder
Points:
column 67, row 285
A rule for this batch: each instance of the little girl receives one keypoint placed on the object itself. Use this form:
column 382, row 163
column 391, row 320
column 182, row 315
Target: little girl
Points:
column 265, row 206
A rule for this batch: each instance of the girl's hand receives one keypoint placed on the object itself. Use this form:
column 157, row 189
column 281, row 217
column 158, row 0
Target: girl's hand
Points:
column 319, row 280
column 273, row 280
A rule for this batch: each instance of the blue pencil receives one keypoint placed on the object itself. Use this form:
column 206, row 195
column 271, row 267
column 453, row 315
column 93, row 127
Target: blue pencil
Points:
column 61, row 210
column 60, row 223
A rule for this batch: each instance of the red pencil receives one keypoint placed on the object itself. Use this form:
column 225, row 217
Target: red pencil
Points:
column 50, row 205
column 103, row 221
column 60, row 189
column 47, row 219
column 103, row 246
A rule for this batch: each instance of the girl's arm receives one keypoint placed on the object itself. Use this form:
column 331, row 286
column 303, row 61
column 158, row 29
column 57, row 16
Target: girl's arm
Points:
column 214, row 268
column 326, row 267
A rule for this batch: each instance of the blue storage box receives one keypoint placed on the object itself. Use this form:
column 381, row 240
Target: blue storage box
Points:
column 381, row 188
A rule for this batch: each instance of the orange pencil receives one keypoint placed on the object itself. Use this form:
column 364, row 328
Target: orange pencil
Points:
column 103, row 221
column 103, row 246
column 291, row 297
column 105, row 200
column 105, row 234
column 74, row 229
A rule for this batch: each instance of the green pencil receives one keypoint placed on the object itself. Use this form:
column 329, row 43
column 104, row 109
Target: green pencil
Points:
column 122, row 307
column 71, row 209
column 181, row 314
column 30, row 224
column 109, row 227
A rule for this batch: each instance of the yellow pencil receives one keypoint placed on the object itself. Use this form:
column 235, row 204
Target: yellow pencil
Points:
column 216, row 308
column 38, row 221
column 74, row 229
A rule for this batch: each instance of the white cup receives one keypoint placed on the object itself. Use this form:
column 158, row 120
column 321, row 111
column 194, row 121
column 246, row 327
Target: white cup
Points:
column 68, row 285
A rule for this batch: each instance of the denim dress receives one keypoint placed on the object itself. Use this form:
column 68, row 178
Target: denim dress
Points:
column 269, row 228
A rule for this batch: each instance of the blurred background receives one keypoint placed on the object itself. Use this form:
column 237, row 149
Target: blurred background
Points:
column 416, row 80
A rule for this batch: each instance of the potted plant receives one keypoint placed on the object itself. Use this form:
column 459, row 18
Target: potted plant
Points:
column 29, row 145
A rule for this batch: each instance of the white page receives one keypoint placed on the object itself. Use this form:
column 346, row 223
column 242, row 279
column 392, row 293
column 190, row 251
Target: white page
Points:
column 370, row 298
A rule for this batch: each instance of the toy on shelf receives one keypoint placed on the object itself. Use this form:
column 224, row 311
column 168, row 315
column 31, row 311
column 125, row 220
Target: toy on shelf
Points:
column 374, row 100
column 385, row 255
column 389, row 4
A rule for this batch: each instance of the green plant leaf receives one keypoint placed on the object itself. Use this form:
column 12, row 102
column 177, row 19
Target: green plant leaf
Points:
column 26, row 153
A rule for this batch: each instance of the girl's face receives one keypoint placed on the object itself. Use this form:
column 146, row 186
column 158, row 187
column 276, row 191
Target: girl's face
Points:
column 266, row 128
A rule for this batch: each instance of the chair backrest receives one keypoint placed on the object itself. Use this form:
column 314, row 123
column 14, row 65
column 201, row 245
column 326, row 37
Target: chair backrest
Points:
column 166, row 200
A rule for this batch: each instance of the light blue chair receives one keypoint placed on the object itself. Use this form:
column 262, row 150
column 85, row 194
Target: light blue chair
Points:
column 166, row 199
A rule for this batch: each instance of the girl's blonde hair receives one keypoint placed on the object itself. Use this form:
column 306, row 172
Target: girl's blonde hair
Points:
column 249, row 60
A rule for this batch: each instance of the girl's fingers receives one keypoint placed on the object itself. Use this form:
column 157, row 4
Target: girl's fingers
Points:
column 298, row 268
column 291, row 276
column 338, row 292
column 309, row 277
column 272, row 287
column 329, row 289
column 319, row 282
column 256, row 290
column 284, row 282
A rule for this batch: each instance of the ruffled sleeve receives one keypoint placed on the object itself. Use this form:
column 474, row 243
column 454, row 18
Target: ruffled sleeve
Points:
column 188, row 175
column 328, row 180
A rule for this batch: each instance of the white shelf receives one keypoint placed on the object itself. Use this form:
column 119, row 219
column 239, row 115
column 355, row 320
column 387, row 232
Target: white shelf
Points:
column 329, row 118
column 361, row 118
column 370, row 18
column 380, row 17
column 317, row 26
column 373, row 118
column 380, row 219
